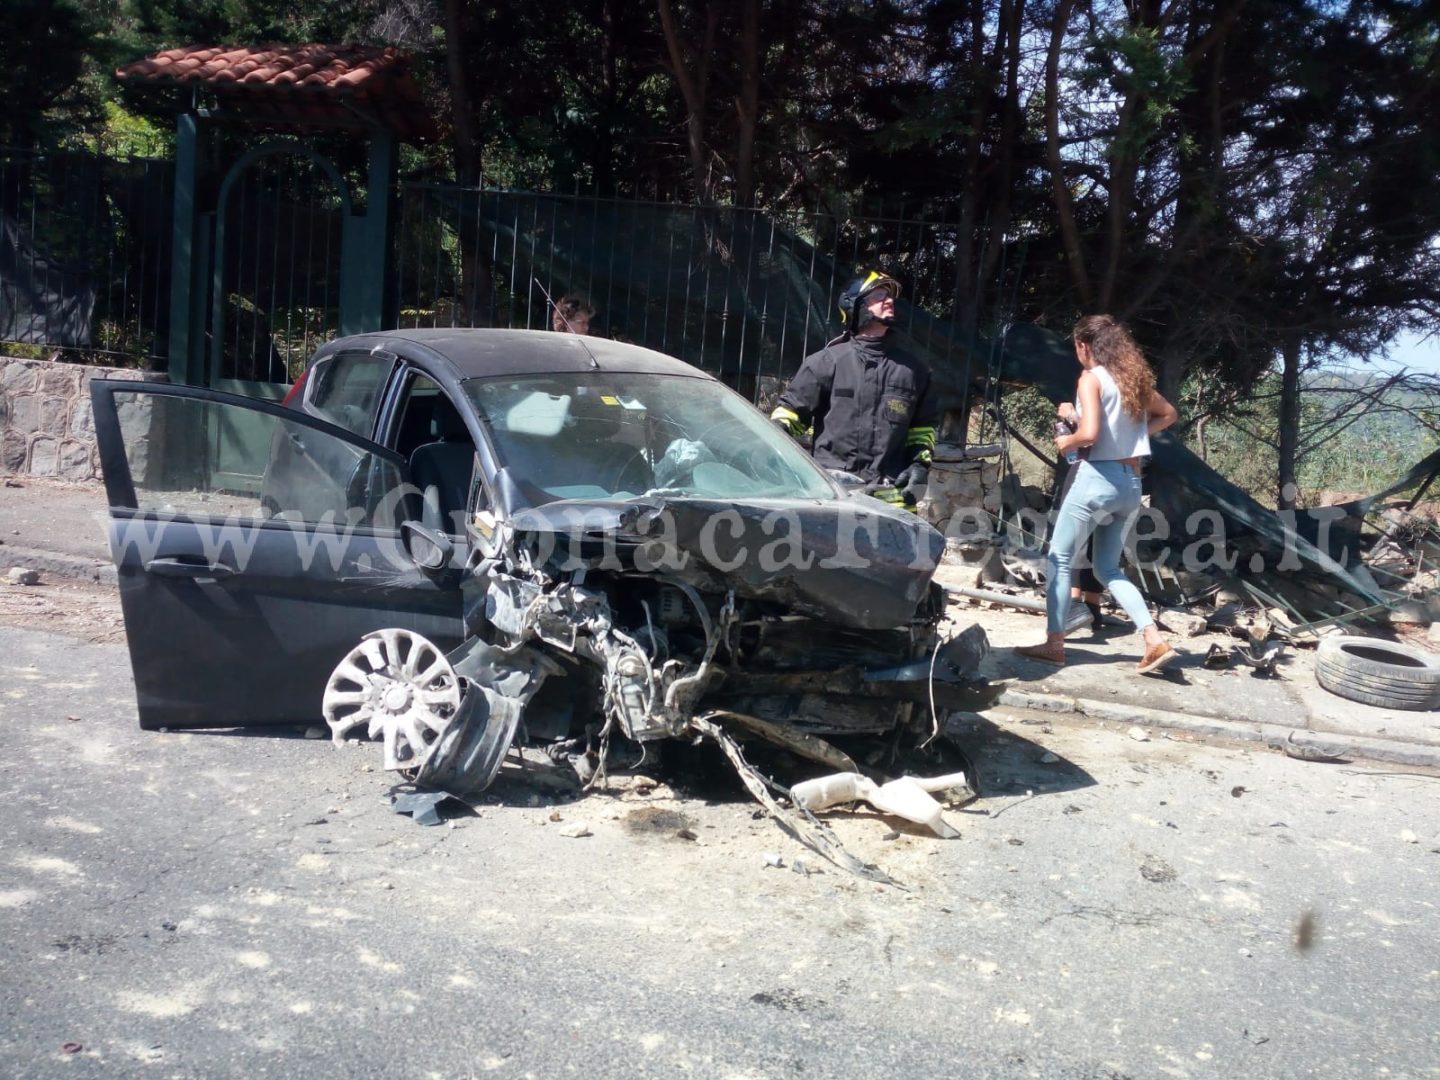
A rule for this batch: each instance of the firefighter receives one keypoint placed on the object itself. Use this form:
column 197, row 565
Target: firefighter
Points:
column 868, row 400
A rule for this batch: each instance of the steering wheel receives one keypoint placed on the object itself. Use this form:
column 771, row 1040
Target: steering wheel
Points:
column 635, row 469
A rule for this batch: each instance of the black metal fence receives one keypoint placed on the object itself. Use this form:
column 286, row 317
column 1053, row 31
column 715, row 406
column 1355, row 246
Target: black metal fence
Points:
column 85, row 253
column 85, row 266
column 744, row 293
column 276, row 266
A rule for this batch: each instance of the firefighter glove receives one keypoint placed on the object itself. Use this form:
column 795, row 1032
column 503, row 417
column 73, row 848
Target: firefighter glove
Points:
column 913, row 482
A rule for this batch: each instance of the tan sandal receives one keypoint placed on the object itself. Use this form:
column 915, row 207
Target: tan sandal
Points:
column 1155, row 658
column 1051, row 652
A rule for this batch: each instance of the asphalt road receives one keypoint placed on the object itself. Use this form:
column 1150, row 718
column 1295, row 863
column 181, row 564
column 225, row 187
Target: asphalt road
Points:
column 225, row 904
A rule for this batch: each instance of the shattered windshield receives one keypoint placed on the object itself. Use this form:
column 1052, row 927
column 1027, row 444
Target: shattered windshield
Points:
column 618, row 436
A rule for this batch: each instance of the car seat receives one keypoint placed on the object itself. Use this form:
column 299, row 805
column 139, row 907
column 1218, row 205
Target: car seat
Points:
column 443, row 470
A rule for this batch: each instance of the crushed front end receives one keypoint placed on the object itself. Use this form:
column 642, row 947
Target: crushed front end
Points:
column 805, row 623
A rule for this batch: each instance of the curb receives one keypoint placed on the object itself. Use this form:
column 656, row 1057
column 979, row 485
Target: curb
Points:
column 53, row 564
column 1274, row 736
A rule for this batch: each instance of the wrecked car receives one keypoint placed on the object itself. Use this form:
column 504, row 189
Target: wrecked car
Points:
column 459, row 541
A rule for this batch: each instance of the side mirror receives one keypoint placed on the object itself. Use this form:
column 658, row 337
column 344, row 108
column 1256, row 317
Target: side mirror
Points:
column 429, row 549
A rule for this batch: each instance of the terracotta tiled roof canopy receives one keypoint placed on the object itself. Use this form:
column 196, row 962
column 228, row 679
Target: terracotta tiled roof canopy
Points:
column 297, row 88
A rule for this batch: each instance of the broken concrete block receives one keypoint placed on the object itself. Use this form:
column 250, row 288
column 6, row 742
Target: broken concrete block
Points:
column 1180, row 621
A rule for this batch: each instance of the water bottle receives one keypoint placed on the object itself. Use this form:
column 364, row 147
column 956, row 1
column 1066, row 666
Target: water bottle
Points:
column 1064, row 427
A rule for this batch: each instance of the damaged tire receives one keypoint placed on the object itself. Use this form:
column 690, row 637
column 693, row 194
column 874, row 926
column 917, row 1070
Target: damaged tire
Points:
column 1379, row 673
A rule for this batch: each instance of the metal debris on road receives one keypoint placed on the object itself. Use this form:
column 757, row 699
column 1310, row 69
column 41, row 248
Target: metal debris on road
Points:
column 422, row 806
column 1301, row 752
column 1262, row 656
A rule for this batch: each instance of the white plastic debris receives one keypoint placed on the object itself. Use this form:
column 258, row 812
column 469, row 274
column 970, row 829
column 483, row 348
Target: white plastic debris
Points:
column 576, row 829
column 1139, row 734
column 772, row 859
column 908, row 797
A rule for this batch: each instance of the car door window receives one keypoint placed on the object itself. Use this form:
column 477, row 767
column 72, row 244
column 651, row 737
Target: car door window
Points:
column 346, row 389
column 313, row 475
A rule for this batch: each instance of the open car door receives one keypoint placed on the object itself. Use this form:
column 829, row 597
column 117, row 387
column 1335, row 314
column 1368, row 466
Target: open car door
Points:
column 239, row 603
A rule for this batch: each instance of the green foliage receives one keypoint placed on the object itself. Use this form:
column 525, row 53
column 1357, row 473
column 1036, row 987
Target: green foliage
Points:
column 1357, row 433
column 168, row 23
column 23, row 350
column 127, row 134
column 47, row 50
column 1135, row 62
column 1032, row 413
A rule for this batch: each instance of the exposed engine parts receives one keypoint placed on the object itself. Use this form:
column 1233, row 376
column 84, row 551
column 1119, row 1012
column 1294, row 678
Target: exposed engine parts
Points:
column 581, row 656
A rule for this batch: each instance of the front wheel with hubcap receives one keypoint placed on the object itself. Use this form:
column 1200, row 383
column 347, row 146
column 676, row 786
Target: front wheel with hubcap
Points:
column 400, row 686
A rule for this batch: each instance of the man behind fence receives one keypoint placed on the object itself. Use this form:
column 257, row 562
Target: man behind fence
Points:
column 868, row 399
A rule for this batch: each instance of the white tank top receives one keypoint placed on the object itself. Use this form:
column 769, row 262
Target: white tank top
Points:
column 1121, row 435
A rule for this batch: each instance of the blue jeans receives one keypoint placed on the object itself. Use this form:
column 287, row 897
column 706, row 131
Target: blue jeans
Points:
column 1103, row 500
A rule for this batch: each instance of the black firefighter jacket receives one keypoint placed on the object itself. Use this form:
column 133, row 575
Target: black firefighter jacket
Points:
column 870, row 404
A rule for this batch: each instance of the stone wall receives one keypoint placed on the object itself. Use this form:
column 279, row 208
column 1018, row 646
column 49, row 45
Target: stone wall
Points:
column 46, row 426
column 960, row 484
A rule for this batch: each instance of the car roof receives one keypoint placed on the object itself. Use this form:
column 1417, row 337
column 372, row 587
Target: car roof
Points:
column 482, row 353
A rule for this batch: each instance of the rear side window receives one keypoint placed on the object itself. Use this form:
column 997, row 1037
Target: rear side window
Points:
column 345, row 389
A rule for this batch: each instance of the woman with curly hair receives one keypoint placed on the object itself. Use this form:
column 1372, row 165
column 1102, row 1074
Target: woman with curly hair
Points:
column 1118, row 409
column 572, row 315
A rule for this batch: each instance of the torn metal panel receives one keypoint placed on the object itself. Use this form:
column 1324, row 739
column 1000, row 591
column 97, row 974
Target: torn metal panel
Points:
column 423, row 806
column 1264, row 545
column 791, row 738
column 952, row 661
column 801, row 825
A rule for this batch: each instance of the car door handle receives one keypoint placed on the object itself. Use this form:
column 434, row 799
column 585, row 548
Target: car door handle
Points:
column 184, row 568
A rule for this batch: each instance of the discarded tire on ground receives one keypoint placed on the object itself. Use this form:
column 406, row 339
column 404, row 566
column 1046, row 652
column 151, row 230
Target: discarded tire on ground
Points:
column 1380, row 673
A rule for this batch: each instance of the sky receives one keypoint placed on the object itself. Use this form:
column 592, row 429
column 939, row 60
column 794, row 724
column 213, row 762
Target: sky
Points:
column 1415, row 353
